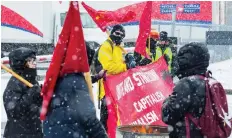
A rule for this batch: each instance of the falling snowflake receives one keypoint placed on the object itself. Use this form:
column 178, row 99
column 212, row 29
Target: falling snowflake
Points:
column 10, row 105
column 226, row 118
column 76, row 28
column 74, row 57
column 170, row 128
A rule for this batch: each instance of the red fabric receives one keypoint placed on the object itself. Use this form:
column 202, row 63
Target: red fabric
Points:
column 112, row 114
column 105, row 18
column 144, row 30
column 215, row 116
column 19, row 21
column 69, row 55
column 204, row 16
column 129, row 90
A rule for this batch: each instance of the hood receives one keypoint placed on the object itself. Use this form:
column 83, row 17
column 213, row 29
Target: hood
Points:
column 193, row 59
column 17, row 58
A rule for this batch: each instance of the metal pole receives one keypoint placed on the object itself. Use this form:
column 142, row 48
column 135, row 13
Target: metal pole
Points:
column 173, row 23
column 190, row 32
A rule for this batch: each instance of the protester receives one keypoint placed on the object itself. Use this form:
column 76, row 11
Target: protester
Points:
column 174, row 64
column 22, row 104
column 151, row 49
column 111, row 59
column 82, row 114
column 164, row 47
column 68, row 108
column 90, row 54
column 188, row 100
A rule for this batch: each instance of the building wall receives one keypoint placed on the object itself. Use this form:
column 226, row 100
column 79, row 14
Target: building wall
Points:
column 228, row 13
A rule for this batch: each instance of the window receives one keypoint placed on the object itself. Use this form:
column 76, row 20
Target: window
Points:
column 87, row 21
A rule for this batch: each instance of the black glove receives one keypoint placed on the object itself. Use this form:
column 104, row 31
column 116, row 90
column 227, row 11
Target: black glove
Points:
column 34, row 93
column 137, row 57
column 144, row 62
column 98, row 76
column 130, row 61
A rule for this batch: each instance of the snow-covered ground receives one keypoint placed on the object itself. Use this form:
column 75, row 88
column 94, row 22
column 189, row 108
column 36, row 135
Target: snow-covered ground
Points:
column 222, row 71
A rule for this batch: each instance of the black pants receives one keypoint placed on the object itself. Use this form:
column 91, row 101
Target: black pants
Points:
column 104, row 113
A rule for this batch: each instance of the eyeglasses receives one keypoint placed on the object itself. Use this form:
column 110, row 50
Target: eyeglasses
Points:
column 119, row 33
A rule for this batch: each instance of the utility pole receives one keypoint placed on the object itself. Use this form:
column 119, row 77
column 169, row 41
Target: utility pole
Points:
column 173, row 23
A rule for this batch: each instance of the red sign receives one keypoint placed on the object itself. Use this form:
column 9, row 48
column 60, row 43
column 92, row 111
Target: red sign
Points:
column 138, row 94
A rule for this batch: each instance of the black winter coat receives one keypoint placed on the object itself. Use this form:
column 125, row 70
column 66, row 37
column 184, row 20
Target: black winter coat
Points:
column 188, row 97
column 72, row 113
column 22, row 105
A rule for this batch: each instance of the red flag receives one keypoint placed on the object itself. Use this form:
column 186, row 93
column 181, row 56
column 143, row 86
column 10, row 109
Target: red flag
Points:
column 144, row 30
column 69, row 55
column 106, row 18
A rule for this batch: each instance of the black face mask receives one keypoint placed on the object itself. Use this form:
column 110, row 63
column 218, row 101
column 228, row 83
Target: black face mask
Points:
column 116, row 39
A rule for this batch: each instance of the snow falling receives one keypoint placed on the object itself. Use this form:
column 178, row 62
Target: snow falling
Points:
column 184, row 23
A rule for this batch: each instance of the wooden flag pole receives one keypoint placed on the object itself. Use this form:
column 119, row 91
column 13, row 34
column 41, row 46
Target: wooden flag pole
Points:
column 89, row 83
column 16, row 76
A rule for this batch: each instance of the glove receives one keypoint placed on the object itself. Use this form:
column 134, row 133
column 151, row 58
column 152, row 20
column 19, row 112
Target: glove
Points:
column 137, row 57
column 130, row 61
column 34, row 92
column 98, row 76
column 131, row 65
column 101, row 74
column 145, row 61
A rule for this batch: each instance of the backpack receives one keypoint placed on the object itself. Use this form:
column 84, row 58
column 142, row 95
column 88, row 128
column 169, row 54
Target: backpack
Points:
column 96, row 66
column 214, row 122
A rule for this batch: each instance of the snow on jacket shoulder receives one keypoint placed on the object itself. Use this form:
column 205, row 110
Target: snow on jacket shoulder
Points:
column 188, row 97
column 72, row 113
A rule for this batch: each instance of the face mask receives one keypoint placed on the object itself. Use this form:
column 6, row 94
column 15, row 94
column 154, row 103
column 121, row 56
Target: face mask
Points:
column 116, row 39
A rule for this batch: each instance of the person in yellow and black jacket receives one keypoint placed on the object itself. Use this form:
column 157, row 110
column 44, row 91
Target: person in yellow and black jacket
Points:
column 111, row 58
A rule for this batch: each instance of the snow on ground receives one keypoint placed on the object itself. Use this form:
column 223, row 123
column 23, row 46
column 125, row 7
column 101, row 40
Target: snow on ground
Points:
column 222, row 71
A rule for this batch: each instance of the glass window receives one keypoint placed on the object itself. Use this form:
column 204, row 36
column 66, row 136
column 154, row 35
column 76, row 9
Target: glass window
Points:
column 87, row 21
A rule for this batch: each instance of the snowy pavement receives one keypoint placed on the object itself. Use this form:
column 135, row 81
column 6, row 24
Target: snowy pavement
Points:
column 222, row 71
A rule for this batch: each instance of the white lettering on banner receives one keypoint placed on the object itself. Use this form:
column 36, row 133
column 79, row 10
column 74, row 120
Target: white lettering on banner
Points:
column 145, row 77
column 148, row 101
column 124, row 87
column 147, row 119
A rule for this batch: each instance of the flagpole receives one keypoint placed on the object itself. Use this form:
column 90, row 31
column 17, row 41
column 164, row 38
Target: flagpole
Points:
column 149, row 43
column 17, row 76
column 89, row 83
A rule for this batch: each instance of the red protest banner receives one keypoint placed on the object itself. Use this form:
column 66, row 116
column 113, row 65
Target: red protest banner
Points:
column 137, row 95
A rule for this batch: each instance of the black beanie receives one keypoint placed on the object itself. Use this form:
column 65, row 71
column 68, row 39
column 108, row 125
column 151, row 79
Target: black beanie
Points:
column 118, row 28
